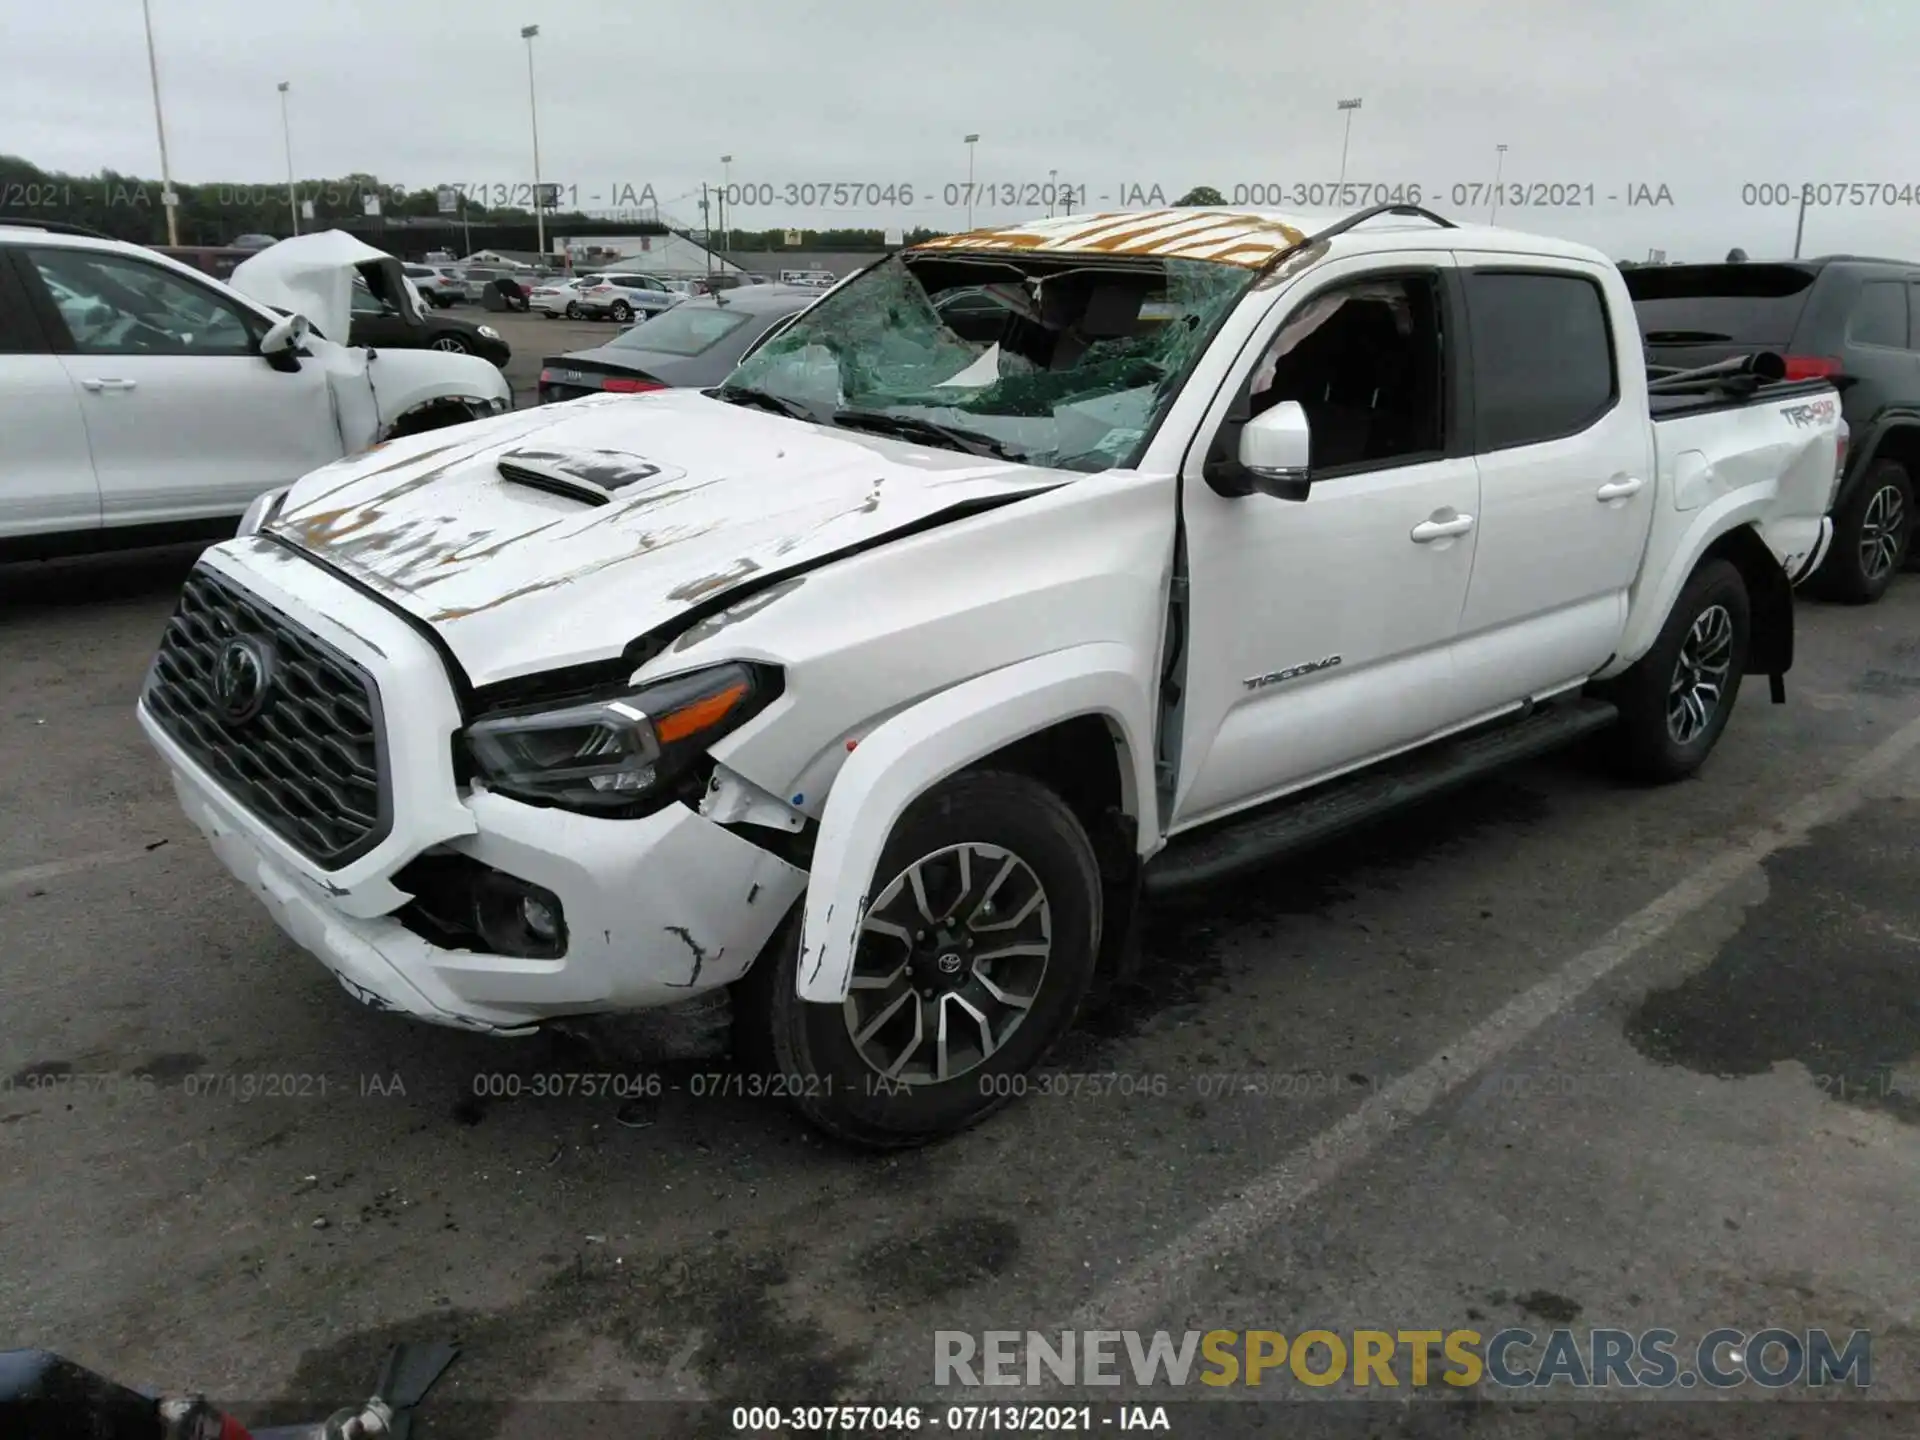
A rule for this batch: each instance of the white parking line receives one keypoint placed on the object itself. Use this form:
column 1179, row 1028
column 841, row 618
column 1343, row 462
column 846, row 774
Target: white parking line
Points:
column 54, row 869
column 1139, row 1294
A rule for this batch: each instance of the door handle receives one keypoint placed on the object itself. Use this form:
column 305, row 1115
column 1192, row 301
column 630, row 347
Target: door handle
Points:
column 99, row 385
column 1428, row 531
column 1619, row 489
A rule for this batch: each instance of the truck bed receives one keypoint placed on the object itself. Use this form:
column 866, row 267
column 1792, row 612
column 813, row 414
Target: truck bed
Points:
column 1671, row 407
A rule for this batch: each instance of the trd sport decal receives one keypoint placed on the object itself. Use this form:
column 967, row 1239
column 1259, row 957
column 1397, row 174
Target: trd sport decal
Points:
column 1292, row 672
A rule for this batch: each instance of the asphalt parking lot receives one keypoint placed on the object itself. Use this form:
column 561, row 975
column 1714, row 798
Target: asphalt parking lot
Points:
column 535, row 336
column 1552, row 1051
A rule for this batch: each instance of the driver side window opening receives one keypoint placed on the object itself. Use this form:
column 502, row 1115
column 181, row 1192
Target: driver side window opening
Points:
column 1364, row 361
column 113, row 305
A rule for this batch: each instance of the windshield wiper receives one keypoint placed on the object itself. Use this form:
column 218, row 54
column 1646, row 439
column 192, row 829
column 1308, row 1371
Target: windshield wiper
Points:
column 1685, row 337
column 764, row 400
column 928, row 432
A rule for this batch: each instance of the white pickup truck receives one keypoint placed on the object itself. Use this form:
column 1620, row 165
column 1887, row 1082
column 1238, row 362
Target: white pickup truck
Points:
column 882, row 681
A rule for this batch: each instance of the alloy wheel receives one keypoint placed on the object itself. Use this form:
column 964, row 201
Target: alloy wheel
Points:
column 951, row 958
column 1699, row 682
column 451, row 343
column 1882, row 532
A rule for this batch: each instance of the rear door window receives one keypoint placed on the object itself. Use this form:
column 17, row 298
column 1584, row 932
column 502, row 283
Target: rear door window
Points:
column 1543, row 365
column 1741, row 304
column 1879, row 315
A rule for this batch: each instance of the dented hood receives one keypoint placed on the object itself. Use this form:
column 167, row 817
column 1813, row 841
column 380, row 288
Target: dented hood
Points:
column 313, row 275
column 555, row 536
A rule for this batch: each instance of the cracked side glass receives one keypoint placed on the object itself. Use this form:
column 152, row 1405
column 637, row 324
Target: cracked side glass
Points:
column 1054, row 360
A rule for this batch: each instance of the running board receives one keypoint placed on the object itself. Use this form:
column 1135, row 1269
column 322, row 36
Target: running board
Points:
column 1299, row 822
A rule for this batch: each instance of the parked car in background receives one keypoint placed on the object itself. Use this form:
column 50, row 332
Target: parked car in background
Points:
column 435, row 285
column 817, row 279
column 478, row 279
column 254, row 242
column 622, row 294
column 1851, row 320
column 696, row 343
column 385, row 324
column 561, row 297
column 143, row 401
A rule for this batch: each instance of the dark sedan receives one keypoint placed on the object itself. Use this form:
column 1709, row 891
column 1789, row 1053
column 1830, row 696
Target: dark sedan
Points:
column 693, row 345
column 381, row 325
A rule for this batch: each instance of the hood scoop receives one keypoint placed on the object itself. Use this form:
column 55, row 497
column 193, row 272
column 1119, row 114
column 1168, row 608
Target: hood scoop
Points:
column 593, row 476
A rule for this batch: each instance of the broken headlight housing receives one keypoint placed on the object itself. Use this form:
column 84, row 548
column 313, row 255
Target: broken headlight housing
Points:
column 624, row 754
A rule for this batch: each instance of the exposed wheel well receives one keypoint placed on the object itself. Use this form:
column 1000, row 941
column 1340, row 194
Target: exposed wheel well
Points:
column 436, row 415
column 1769, row 598
column 1083, row 760
column 1900, row 443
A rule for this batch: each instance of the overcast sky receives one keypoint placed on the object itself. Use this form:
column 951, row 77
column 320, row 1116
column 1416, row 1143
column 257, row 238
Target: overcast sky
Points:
column 1702, row 98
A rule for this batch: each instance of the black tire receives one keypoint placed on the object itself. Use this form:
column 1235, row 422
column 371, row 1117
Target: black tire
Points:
column 1644, row 745
column 451, row 344
column 1860, row 565
column 621, row 312
column 573, row 309
column 832, row 1084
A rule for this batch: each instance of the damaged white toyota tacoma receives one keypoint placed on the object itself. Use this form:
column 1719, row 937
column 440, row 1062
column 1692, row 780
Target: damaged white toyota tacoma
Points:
column 1028, row 573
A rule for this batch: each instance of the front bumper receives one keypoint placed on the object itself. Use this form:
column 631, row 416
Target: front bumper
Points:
column 657, row 909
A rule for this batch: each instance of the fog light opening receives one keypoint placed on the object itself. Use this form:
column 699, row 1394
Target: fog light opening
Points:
column 516, row 918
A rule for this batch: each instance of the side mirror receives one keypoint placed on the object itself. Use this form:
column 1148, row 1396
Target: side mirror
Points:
column 285, row 342
column 1274, row 450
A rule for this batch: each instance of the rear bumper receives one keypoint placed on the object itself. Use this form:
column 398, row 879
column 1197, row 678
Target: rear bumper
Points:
column 1799, row 572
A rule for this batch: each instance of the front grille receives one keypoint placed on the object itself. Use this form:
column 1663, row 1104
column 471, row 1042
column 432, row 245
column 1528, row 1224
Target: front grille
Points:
column 311, row 764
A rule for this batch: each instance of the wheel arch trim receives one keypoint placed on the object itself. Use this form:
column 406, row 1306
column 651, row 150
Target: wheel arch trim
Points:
column 919, row 747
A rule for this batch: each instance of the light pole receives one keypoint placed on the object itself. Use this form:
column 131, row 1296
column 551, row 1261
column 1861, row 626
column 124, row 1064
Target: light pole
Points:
column 1499, row 168
column 167, row 197
column 286, row 136
column 726, row 201
column 1349, row 106
column 972, row 140
column 527, row 32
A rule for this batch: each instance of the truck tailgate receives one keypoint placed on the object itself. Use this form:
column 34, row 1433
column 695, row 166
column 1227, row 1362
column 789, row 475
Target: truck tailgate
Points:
column 1784, row 436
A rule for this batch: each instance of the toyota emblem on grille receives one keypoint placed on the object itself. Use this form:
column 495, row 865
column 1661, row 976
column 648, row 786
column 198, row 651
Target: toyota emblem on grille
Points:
column 242, row 677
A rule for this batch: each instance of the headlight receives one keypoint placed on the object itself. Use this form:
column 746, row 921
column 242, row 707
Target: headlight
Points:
column 261, row 511
column 620, row 755
column 487, row 332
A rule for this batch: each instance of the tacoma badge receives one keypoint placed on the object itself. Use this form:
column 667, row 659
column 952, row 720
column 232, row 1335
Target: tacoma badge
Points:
column 1292, row 672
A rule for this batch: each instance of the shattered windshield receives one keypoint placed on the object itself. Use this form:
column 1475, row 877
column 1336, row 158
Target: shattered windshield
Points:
column 1048, row 360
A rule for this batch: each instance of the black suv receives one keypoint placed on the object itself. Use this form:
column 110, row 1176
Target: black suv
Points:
column 1851, row 319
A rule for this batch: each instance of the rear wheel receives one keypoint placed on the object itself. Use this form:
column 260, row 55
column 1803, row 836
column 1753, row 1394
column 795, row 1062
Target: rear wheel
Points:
column 573, row 309
column 1676, row 699
column 622, row 311
column 1872, row 532
column 971, row 962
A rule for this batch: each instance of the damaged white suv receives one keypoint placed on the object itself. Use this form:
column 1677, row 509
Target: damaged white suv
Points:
column 881, row 682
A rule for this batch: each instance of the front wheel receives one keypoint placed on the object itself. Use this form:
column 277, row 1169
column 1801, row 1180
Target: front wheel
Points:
column 452, row 345
column 1676, row 699
column 971, row 962
column 1872, row 531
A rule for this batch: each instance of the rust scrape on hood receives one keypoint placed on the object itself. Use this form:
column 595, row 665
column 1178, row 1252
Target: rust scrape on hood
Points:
column 1229, row 237
column 659, row 504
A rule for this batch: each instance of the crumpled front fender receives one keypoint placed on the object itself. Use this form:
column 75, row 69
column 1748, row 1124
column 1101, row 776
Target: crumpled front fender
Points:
column 916, row 749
